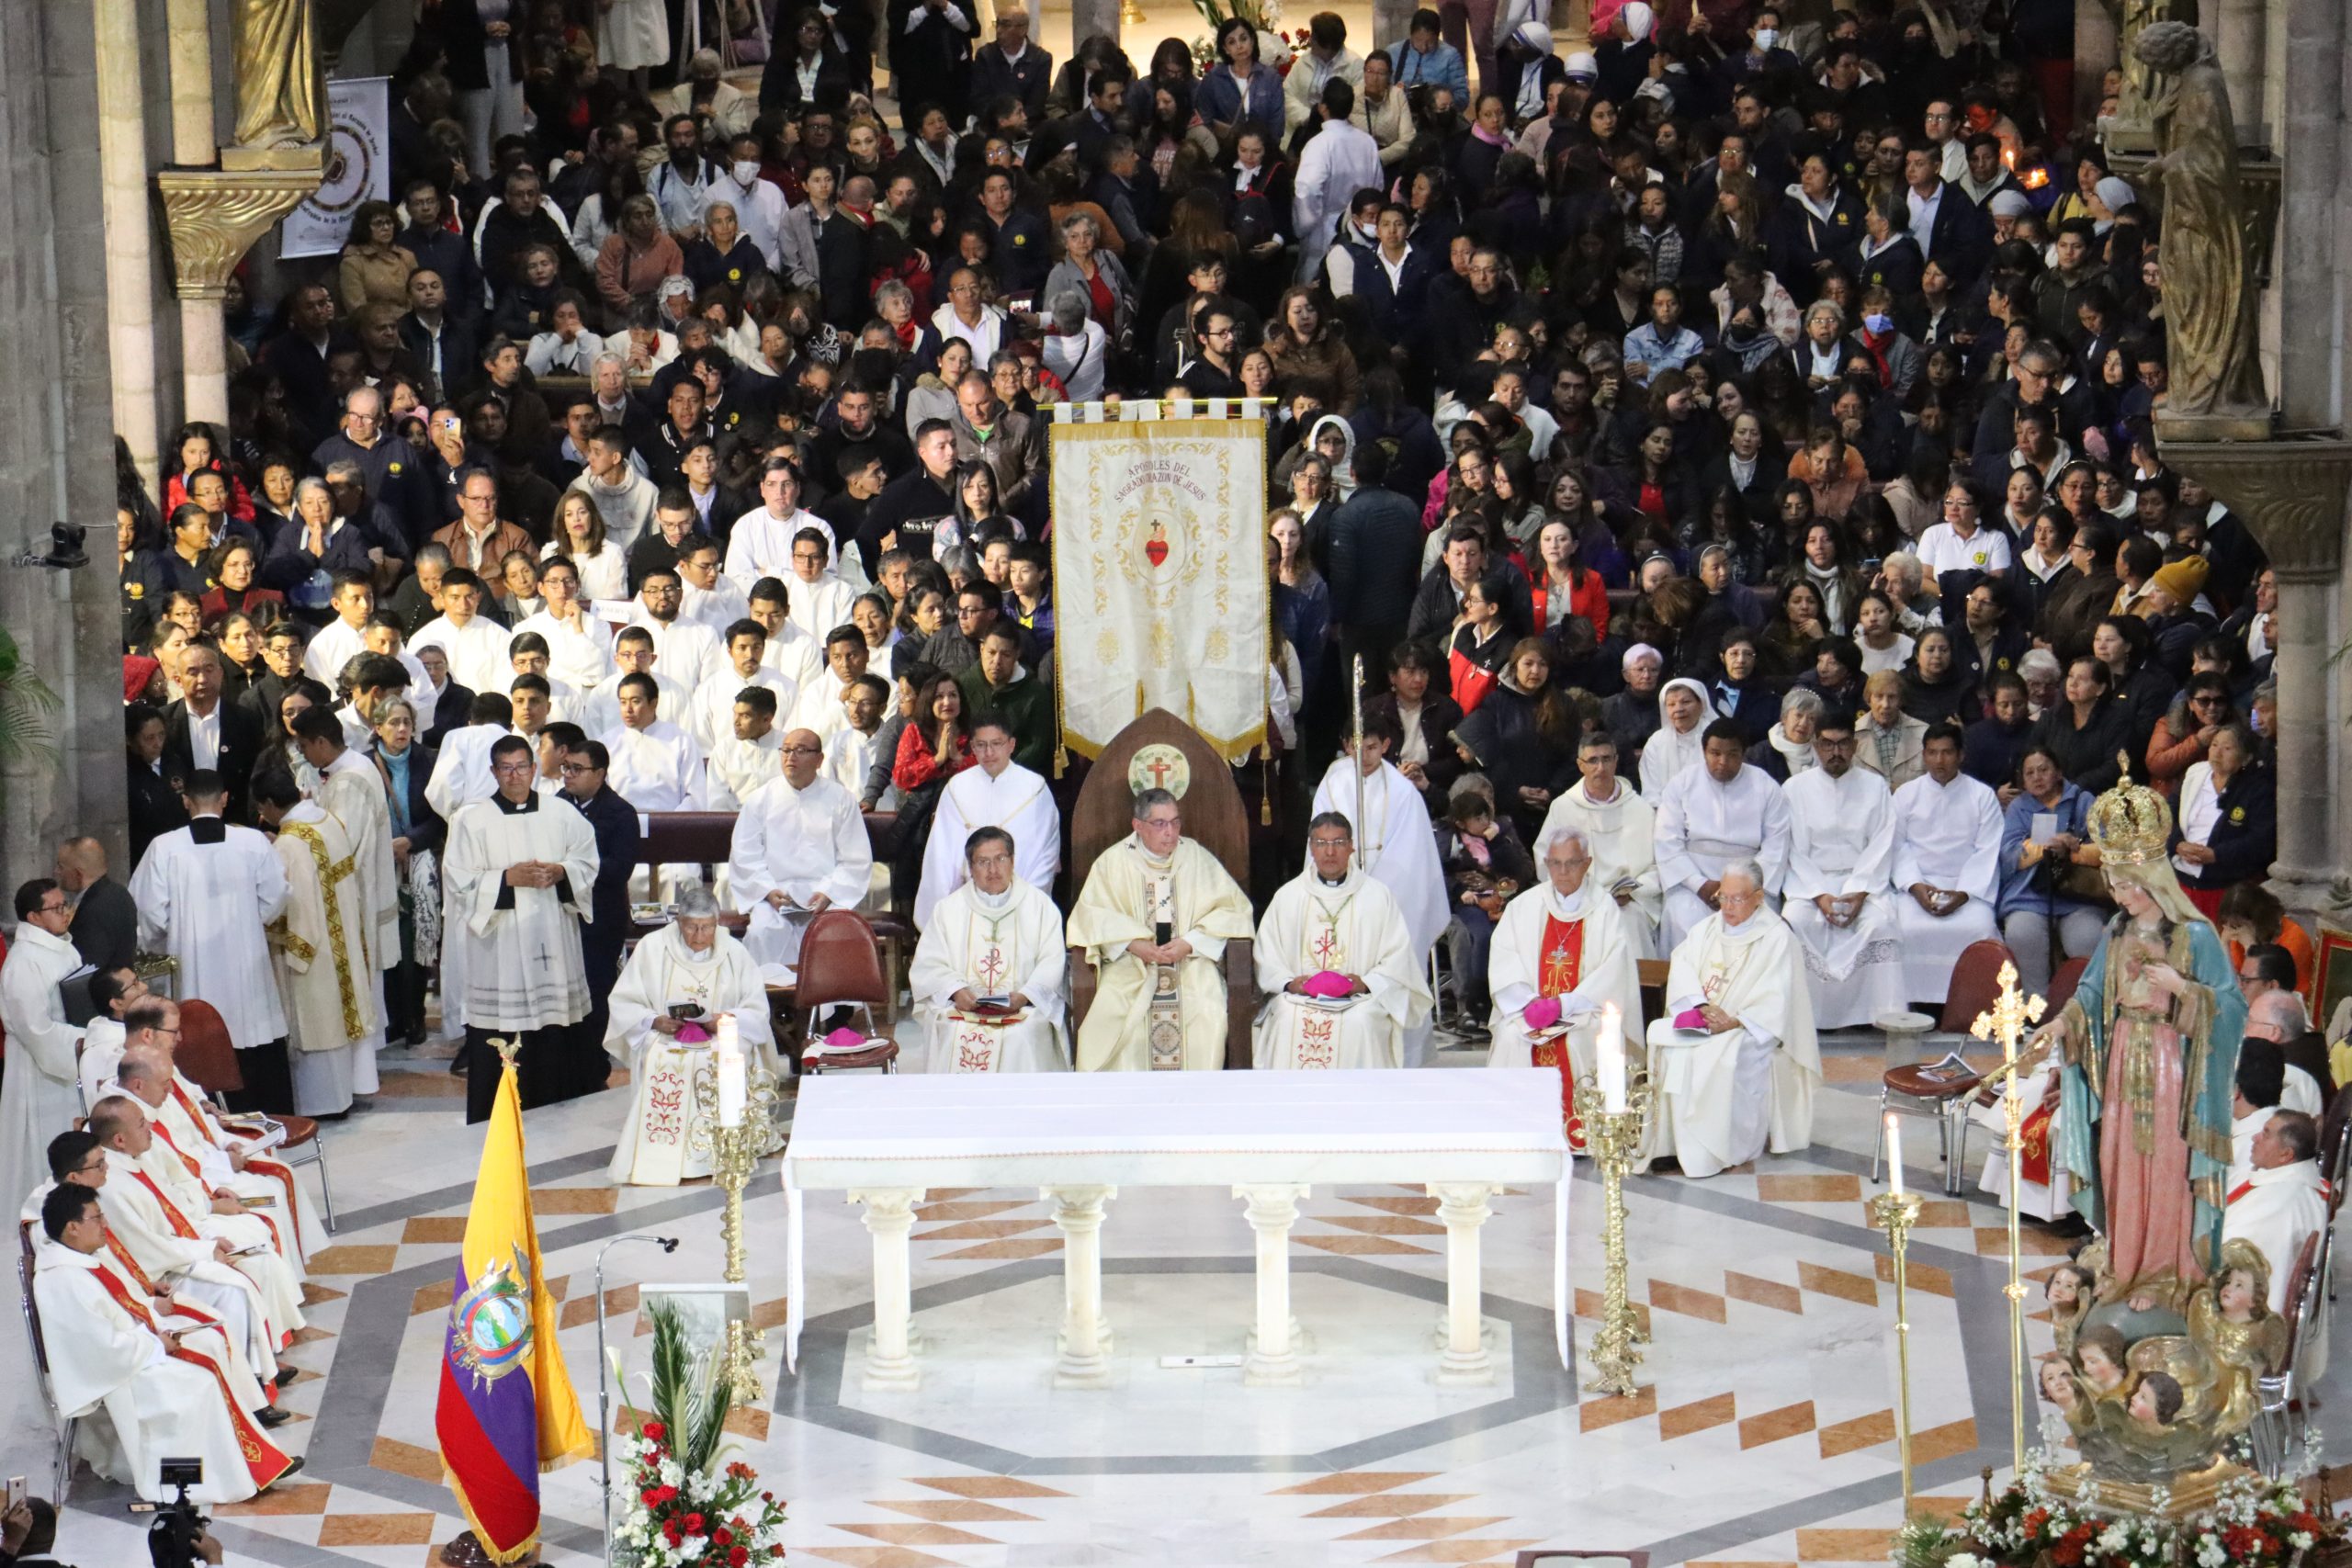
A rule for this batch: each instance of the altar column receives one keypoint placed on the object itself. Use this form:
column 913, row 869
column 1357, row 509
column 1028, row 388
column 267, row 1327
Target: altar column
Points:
column 890, row 1215
column 131, row 256
column 1085, row 1336
column 1463, row 1206
column 1273, row 1360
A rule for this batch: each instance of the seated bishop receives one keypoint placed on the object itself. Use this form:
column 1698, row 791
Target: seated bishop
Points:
column 1836, row 897
column 996, row 792
column 1710, row 815
column 665, row 1009
column 987, row 973
column 145, row 1387
column 1153, row 920
column 1946, row 867
column 1562, row 951
column 1733, row 1064
column 1398, row 843
column 1341, row 979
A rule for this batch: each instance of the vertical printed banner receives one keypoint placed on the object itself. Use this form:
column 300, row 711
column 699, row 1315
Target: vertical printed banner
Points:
column 359, row 167
column 1160, row 578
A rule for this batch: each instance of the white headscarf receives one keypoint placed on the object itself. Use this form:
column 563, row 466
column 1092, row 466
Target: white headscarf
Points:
column 1667, row 753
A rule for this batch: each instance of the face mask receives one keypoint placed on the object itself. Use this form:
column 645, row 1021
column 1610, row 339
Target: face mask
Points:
column 1878, row 323
column 1764, row 38
column 744, row 171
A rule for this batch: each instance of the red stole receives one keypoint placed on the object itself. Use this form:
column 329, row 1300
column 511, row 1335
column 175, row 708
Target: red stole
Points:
column 262, row 1460
column 186, row 1230
column 1559, row 966
column 269, row 1170
column 172, row 1216
column 196, row 1168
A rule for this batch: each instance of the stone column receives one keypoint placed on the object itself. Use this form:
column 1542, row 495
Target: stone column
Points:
column 1085, row 1338
column 56, row 418
column 1389, row 19
column 890, row 1215
column 2238, row 41
column 1088, row 17
column 2315, row 228
column 1463, row 1206
column 130, row 260
column 2094, row 55
column 195, row 141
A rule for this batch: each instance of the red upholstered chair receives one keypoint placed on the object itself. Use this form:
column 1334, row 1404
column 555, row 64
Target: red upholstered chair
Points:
column 1976, row 984
column 206, row 1054
column 2069, row 975
column 839, row 967
column 60, row 1425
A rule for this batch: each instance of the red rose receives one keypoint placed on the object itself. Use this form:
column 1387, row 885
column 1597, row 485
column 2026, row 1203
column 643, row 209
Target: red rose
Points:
column 693, row 1524
column 651, row 1497
column 722, row 1536
column 655, row 1431
column 775, row 1552
column 737, row 1558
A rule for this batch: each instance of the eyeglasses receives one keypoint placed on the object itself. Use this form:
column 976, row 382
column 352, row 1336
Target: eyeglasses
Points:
column 53, row 909
column 804, row 750
column 573, row 770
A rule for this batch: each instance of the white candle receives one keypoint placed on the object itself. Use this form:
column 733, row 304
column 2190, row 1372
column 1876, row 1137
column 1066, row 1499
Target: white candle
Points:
column 733, row 1088
column 1894, row 1153
column 1611, row 1062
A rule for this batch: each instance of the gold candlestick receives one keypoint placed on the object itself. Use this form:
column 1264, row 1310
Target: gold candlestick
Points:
column 735, row 1152
column 1612, row 1138
column 1897, row 1213
column 2007, row 1021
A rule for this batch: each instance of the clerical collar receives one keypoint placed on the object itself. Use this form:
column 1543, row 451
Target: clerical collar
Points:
column 992, row 901
column 1341, row 881
column 530, row 803
column 207, row 830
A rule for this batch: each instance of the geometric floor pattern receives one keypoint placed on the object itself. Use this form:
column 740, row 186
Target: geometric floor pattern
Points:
column 1764, row 1433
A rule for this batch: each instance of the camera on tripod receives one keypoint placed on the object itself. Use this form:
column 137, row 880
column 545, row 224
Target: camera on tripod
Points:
column 177, row 1527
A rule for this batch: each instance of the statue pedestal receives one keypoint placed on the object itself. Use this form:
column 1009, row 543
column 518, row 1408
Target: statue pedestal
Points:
column 2192, row 1492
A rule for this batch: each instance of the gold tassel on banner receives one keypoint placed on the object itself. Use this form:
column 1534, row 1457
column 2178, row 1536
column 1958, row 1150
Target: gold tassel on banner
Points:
column 1061, row 760
column 1266, row 786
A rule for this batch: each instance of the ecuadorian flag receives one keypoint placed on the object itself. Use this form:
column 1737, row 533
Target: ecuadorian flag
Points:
column 506, row 1409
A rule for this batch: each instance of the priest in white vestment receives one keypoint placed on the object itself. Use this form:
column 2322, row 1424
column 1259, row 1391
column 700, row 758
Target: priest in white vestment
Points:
column 704, row 594
column 689, row 973
column 474, row 644
column 823, row 703
column 709, row 713
column 988, row 971
column 1398, row 844
column 1620, row 832
column 205, row 892
column 461, row 776
column 139, row 1231
column 166, row 1387
column 2283, row 1202
column 324, row 985
column 759, row 543
column 750, row 755
column 219, row 1159
column 1561, row 954
column 580, row 644
column 1837, row 898
column 1154, row 919
column 996, row 793
column 39, row 1094
column 1340, row 977
column 521, row 869
column 103, row 1038
column 799, row 848
column 656, row 765
column 1708, row 817
column 1733, row 1064
column 687, row 649
column 1946, row 867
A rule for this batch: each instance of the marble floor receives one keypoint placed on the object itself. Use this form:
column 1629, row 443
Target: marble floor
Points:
column 1764, row 1433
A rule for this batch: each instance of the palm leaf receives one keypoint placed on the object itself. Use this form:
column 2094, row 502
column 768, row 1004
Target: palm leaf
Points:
column 688, row 1396
column 25, row 707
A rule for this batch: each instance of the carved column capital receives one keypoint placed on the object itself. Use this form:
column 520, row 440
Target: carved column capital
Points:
column 215, row 215
column 2292, row 492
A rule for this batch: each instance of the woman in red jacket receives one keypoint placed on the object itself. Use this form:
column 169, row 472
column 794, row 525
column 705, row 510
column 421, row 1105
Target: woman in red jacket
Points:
column 938, row 744
column 1562, row 586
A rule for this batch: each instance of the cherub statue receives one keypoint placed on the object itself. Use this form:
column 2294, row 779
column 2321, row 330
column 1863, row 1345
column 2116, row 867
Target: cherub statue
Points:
column 2231, row 1323
column 2067, row 1292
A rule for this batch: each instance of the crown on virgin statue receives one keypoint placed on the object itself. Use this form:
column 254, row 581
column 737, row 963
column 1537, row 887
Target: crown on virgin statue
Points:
column 2130, row 824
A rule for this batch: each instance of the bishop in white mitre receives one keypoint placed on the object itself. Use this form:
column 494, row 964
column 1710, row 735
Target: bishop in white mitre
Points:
column 1560, row 956
column 686, row 973
column 988, row 971
column 799, row 848
column 1733, row 1064
column 1708, row 817
column 205, row 892
column 167, row 1387
column 997, row 791
column 1620, row 832
column 39, row 1094
column 318, row 941
column 1946, row 867
column 155, row 1182
column 160, row 1259
column 1837, row 897
column 521, row 868
column 1154, row 919
column 1341, row 979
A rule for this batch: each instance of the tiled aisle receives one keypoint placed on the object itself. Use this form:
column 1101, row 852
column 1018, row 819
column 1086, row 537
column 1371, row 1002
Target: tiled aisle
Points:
column 1764, row 1435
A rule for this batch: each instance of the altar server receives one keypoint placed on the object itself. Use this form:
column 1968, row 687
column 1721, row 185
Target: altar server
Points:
column 1336, row 964
column 461, row 776
column 1947, row 866
column 709, row 714
column 987, row 973
column 799, row 848
column 165, row 1389
column 1710, row 815
column 1398, row 843
column 1620, row 832
column 656, row 765
column 473, row 642
column 749, row 754
column 205, row 892
column 521, row 869
column 688, row 649
column 39, row 1096
column 1836, row 897
column 1561, row 953
column 665, row 1021
column 996, row 793
column 580, row 644
column 1154, row 918
column 1734, row 1061
column 319, row 953
column 633, row 654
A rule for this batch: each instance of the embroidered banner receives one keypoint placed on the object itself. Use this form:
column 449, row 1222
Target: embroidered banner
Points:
column 1160, row 576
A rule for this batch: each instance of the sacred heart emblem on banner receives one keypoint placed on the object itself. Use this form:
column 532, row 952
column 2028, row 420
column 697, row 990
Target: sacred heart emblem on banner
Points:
column 1155, row 548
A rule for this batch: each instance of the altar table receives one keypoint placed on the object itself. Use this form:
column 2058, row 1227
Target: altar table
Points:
column 1078, row 1137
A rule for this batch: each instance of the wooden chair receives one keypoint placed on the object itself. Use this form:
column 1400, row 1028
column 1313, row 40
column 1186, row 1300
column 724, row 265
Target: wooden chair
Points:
column 1976, row 984
column 2063, row 983
column 208, row 1059
column 840, row 966
column 61, row 1425
column 1214, row 819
